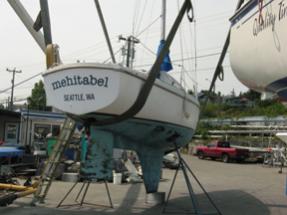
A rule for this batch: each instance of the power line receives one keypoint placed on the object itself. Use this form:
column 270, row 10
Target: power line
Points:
column 21, row 82
column 200, row 20
column 185, row 59
column 177, row 60
column 201, row 69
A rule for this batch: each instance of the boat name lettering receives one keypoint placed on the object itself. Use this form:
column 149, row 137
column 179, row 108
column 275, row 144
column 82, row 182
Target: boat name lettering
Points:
column 80, row 80
column 269, row 19
column 79, row 97
column 282, row 10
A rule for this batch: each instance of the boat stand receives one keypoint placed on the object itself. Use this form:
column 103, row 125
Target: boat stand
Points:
column 84, row 190
column 195, row 206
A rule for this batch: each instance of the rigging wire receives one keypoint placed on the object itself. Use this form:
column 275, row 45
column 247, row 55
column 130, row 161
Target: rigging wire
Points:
column 200, row 20
column 227, row 12
column 148, row 49
column 179, row 60
column 206, row 69
column 186, row 72
column 101, row 43
column 141, row 17
column 187, row 58
column 135, row 16
column 195, row 47
column 118, row 51
column 211, row 19
column 147, row 27
column 98, row 47
column 96, row 52
column 83, row 53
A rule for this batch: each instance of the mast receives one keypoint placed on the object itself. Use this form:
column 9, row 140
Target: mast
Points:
column 166, row 64
column 163, row 19
column 101, row 17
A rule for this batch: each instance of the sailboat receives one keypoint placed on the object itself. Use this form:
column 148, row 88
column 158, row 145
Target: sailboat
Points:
column 125, row 108
column 258, row 46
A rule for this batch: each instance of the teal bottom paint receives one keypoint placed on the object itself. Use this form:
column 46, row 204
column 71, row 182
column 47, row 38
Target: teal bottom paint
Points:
column 150, row 139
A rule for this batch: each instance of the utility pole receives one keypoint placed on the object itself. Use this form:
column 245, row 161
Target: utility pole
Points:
column 130, row 43
column 12, row 81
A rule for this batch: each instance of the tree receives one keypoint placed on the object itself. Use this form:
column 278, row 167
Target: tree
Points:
column 252, row 95
column 37, row 100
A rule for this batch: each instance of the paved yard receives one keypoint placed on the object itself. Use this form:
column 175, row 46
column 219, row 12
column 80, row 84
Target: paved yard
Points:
column 237, row 189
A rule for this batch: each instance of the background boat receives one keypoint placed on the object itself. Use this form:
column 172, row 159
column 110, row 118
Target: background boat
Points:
column 258, row 46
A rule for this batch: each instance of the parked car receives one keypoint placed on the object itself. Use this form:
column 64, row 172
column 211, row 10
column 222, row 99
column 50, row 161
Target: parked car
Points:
column 170, row 161
column 222, row 150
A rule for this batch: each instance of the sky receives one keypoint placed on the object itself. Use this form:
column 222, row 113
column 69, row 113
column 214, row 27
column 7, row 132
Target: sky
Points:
column 76, row 29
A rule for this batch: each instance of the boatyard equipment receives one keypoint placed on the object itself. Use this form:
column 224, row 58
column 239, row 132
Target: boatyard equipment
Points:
column 10, row 154
column 96, row 165
column 14, row 192
column 48, row 174
column 83, row 191
column 183, row 166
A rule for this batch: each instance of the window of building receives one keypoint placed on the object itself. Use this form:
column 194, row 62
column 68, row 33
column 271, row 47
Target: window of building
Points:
column 40, row 133
column 11, row 132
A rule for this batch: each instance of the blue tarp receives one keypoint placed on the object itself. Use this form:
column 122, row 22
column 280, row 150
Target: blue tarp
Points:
column 166, row 64
column 10, row 152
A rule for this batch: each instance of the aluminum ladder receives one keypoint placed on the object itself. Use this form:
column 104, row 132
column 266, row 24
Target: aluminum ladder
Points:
column 48, row 174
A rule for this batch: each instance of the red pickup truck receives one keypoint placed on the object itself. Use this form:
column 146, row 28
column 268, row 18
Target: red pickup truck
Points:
column 222, row 150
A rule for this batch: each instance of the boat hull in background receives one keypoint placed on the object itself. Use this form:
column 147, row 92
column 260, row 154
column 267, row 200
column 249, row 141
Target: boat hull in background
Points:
column 258, row 50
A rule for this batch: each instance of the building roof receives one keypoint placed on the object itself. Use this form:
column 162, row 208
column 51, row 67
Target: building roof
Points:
column 43, row 114
column 9, row 113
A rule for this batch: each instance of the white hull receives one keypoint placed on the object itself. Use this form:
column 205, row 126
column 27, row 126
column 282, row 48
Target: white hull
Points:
column 282, row 136
column 258, row 53
column 116, row 93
